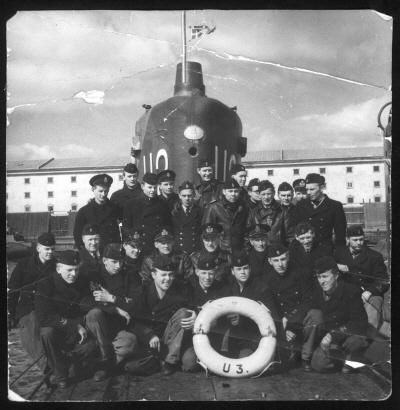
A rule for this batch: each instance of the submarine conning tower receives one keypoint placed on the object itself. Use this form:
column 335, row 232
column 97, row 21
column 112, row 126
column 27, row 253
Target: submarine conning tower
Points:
column 194, row 80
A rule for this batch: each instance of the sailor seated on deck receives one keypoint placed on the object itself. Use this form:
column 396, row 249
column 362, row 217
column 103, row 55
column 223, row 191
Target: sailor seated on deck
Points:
column 162, row 310
column 241, row 334
column 340, row 336
column 366, row 269
column 21, row 296
column 62, row 299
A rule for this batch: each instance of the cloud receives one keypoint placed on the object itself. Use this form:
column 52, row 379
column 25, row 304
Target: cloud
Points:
column 33, row 151
column 75, row 150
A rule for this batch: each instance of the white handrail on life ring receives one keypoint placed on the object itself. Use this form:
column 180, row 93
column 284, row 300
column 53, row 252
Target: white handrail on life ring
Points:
column 259, row 361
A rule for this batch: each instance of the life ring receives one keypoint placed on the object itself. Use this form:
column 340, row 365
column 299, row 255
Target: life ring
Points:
column 253, row 365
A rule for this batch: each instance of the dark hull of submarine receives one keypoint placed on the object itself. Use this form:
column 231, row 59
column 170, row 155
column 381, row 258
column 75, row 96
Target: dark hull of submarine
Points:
column 176, row 133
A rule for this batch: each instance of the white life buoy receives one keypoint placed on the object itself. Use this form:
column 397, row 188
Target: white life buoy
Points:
column 252, row 365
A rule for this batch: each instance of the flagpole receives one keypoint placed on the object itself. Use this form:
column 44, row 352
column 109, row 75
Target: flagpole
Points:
column 184, row 46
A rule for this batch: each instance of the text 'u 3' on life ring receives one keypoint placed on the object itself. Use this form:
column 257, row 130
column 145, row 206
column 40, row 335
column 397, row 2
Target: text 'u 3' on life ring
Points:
column 252, row 365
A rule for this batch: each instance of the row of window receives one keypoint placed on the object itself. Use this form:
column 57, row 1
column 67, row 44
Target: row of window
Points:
column 377, row 184
column 350, row 199
column 349, row 170
column 50, row 180
column 50, row 208
column 50, row 194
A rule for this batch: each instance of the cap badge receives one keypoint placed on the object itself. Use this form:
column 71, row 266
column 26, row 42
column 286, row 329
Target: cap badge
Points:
column 207, row 265
column 239, row 261
column 209, row 229
column 164, row 232
column 277, row 253
column 257, row 229
column 168, row 174
column 136, row 235
column 91, row 230
column 105, row 179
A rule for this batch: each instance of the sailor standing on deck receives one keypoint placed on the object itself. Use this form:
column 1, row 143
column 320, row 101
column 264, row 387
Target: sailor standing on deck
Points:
column 299, row 186
column 89, row 253
column 131, row 188
column 238, row 172
column 100, row 210
column 258, row 256
column 209, row 189
column 21, row 296
column 254, row 194
column 166, row 181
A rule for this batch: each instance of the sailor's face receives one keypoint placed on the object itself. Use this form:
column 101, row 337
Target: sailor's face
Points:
column 206, row 277
column 91, row 242
column 163, row 279
column 46, row 253
column 267, row 195
column 206, row 173
column 328, row 281
column 241, row 273
column 113, row 266
column 149, row 190
column 130, row 179
column 165, row 246
column 167, row 187
column 259, row 243
column 231, row 195
column 132, row 250
column 100, row 193
column 314, row 191
column 254, row 193
column 285, row 197
column 241, row 178
column 356, row 242
column 68, row 273
column 306, row 239
column 280, row 263
column 211, row 242
column 186, row 196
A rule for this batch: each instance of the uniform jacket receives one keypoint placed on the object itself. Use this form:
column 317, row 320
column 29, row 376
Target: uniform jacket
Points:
column 292, row 293
column 259, row 264
column 328, row 216
column 88, row 261
column 223, row 260
column 171, row 201
column 125, row 286
column 106, row 216
column 249, row 204
column 234, row 223
column 61, row 305
column 254, row 289
column 299, row 258
column 281, row 222
column 182, row 261
column 187, row 237
column 154, row 313
column 367, row 270
column 344, row 313
column 134, row 265
column 210, row 193
column 146, row 214
column 200, row 296
column 25, row 276
column 122, row 195
column 244, row 195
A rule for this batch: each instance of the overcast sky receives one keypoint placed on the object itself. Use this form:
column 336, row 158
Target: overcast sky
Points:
column 131, row 56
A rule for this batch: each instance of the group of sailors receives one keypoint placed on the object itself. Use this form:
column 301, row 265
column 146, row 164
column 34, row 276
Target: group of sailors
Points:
column 147, row 262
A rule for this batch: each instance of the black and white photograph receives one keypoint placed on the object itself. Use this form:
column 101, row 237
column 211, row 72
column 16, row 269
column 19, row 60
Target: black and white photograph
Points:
column 198, row 205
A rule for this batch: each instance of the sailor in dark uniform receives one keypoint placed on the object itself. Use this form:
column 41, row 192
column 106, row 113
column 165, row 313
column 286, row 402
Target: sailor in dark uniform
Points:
column 89, row 253
column 133, row 243
column 324, row 214
column 365, row 268
column 304, row 251
column 254, row 194
column 258, row 256
column 209, row 189
column 164, row 245
column 238, row 172
column 210, row 235
column 101, row 211
column 300, row 191
column 21, row 295
column 341, row 335
column 131, row 188
column 147, row 212
column 186, row 220
column 292, row 290
column 166, row 181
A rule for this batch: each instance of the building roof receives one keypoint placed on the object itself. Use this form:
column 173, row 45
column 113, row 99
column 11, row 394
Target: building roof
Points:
column 62, row 163
column 321, row 153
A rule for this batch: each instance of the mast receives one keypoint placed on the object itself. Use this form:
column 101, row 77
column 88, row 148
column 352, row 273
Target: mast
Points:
column 184, row 46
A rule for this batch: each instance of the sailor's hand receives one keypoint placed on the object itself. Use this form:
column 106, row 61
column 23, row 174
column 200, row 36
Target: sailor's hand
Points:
column 326, row 342
column 188, row 323
column 103, row 296
column 290, row 335
column 123, row 314
column 365, row 296
column 155, row 343
column 234, row 318
column 342, row 268
column 83, row 332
